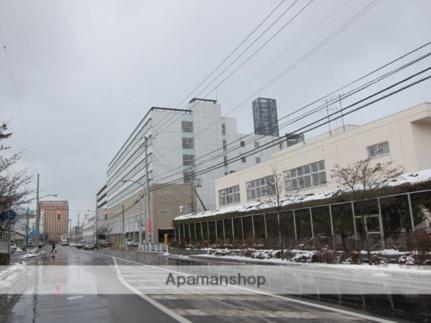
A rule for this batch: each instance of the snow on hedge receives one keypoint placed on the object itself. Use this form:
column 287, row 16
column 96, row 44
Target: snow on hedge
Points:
column 412, row 178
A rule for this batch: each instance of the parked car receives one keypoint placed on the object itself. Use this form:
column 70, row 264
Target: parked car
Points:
column 64, row 242
column 89, row 245
column 131, row 243
column 102, row 243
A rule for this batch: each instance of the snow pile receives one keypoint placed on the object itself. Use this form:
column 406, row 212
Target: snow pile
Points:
column 412, row 178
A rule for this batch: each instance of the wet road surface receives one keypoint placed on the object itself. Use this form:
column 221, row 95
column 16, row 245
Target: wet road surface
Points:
column 160, row 307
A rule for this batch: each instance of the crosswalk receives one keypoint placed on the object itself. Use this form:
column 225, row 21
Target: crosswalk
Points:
column 226, row 303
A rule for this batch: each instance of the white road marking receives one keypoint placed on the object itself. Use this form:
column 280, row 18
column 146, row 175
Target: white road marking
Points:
column 71, row 298
column 161, row 307
column 285, row 298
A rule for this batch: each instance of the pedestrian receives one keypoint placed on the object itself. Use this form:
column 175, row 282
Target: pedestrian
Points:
column 53, row 247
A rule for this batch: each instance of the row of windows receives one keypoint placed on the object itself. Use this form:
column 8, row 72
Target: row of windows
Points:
column 305, row 176
column 130, row 146
column 137, row 153
column 260, row 187
column 134, row 186
column 297, row 178
column 229, row 195
column 130, row 174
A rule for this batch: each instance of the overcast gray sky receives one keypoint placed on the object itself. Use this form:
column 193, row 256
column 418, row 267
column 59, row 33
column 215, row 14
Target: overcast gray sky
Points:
column 85, row 72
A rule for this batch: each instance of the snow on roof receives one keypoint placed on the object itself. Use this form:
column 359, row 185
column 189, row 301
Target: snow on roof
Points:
column 269, row 202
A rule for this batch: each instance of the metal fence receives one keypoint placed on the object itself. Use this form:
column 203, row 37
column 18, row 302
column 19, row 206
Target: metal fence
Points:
column 153, row 247
column 390, row 221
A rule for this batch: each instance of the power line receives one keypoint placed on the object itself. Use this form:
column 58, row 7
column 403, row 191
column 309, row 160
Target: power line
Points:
column 332, row 93
column 324, row 119
column 312, row 51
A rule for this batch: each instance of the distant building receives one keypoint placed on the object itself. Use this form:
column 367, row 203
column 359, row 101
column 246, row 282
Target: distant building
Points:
column 175, row 144
column 55, row 219
column 265, row 117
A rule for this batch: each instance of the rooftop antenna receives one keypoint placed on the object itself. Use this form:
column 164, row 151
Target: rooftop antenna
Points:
column 329, row 120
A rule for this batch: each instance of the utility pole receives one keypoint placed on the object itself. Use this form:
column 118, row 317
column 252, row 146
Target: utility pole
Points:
column 97, row 223
column 123, row 242
column 37, row 212
column 77, row 230
column 147, row 180
column 27, row 223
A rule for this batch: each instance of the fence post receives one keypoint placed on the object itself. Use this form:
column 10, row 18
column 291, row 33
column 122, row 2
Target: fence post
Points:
column 252, row 226
column 294, row 225
column 233, row 230
column 264, row 222
column 331, row 222
column 242, row 229
column 382, row 233
column 311, row 223
column 411, row 212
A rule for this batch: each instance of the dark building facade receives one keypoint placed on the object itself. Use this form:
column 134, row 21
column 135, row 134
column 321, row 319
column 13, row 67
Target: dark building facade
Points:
column 265, row 117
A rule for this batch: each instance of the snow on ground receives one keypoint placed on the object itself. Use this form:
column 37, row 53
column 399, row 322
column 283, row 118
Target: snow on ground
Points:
column 291, row 262
column 412, row 178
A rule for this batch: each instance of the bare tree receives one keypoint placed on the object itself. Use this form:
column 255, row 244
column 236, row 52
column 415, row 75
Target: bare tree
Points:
column 12, row 184
column 365, row 175
column 103, row 231
column 362, row 176
column 276, row 186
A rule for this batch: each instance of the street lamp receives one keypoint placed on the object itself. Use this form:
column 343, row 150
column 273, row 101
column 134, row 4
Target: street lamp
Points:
column 140, row 211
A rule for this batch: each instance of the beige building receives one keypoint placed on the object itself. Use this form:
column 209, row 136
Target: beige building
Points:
column 403, row 138
column 55, row 219
column 166, row 202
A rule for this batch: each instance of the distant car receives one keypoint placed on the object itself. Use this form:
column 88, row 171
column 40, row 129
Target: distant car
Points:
column 64, row 242
column 89, row 245
column 102, row 243
column 74, row 244
column 131, row 243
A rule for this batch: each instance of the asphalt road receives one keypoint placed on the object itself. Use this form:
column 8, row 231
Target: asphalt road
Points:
column 135, row 306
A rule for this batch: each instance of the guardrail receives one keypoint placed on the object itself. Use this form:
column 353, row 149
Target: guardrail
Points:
column 153, row 247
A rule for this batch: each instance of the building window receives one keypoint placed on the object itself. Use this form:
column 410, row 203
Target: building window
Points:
column 187, row 143
column 188, row 175
column 243, row 159
column 242, row 143
column 305, row 176
column 224, row 145
column 258, row 160
column 187, row 126
column 223, row 129
column 260, row 187
column 58, row 216
column 377, row 150
column 229, row 195
column 188, row 160
column 256, row 144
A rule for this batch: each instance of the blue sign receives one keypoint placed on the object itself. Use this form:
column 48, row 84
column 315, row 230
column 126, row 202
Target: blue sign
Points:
column 8, row 215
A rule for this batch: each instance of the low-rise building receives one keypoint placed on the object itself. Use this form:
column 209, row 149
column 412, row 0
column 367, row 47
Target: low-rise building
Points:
column 403, row 138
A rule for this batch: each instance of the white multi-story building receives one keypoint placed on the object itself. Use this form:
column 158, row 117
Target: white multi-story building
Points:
column 176, row 145
column 403, row 138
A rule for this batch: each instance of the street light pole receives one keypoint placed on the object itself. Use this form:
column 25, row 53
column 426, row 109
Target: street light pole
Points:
column 37, row 212
column 147, row 181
